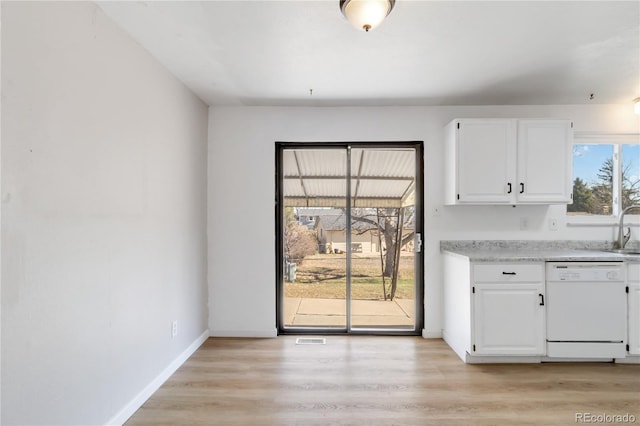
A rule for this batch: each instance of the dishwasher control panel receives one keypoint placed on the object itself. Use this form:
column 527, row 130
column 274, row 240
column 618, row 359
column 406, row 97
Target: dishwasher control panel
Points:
column 585, row 271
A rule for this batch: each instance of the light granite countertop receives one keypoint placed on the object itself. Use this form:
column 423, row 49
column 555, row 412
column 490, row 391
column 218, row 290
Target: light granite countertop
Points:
column 536, row 251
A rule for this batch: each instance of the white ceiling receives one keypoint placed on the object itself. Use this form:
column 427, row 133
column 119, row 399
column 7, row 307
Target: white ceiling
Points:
column 425, row 53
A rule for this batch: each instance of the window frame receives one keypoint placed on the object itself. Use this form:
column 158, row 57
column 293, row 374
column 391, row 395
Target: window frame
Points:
column 616, row 140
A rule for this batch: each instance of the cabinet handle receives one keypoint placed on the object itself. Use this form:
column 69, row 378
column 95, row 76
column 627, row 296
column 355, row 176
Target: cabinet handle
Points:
column 509, row 185
column 521, row 188
column 541, row 299
column 508, row 273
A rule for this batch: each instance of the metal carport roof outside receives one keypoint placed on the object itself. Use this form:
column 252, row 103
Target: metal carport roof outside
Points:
column 380, row 177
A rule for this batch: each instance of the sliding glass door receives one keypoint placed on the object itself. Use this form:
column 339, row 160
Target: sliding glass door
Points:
column 349, row 234
column 314, row 260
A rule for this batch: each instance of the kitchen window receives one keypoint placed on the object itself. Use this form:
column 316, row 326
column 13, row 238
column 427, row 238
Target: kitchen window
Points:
column 606, row 177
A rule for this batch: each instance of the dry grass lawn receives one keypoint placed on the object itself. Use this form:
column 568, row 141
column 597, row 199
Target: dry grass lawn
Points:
column 323, row 276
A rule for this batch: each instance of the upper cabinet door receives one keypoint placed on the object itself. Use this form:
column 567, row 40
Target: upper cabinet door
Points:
column 484, row 156
column 544, row 161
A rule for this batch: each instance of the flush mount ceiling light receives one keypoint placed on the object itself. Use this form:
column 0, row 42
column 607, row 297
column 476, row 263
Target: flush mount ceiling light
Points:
column 636, row 106
column 366, row 14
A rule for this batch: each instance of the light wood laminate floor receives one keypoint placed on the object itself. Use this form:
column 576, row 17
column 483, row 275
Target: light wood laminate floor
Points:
column 375, row 380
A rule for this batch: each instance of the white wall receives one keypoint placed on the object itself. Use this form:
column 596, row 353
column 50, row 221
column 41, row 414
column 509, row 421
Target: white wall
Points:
column 0, row 226
column 104, row 216
column 241, row 195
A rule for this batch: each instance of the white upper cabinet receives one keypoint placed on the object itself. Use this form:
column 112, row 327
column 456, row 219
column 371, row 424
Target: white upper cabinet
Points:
column 508, row 161
column 544, row 161
column 485, row 153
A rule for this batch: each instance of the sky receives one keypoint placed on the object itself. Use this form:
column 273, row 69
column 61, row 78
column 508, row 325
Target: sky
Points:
column 587, row 160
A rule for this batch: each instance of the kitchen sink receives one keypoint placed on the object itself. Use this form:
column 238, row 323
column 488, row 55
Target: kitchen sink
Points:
column 624, row 251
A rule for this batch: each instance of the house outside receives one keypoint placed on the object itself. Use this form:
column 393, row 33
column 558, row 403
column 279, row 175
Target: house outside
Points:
column 330, row 225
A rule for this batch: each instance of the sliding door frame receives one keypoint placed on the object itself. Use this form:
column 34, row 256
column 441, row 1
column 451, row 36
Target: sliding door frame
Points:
column 280, row 147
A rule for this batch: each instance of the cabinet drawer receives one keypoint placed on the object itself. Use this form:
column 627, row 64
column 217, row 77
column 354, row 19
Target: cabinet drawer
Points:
column 508, row 272
column 633, row 272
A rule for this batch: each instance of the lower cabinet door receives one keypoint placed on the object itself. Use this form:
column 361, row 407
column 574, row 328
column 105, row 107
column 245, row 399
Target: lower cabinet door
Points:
column 508, row 319
column 634, row 319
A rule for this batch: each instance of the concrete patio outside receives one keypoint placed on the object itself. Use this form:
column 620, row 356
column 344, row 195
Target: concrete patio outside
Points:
column 364, row 313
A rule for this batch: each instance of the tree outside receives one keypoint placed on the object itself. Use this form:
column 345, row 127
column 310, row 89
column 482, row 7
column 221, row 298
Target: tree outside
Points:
column 385, row 221
column 299, row 241
column 596, row 198
column 389, row 224
column 583, row 198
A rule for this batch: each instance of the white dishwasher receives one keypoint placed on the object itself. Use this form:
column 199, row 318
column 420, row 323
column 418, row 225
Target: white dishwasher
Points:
column 586, row 310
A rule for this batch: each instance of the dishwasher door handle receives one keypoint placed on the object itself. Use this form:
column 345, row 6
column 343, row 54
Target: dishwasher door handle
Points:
column 541, row 299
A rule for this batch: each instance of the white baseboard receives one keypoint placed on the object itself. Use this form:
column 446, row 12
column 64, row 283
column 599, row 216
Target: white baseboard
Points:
column 268, row 333
column 502, row 359
column 630, row 359
column 140, row 399
column 431, row 334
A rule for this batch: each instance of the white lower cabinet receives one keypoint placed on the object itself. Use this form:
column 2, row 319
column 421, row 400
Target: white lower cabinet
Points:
column 508, row 309
column 494, row 309
column 633, row 277
column 508, row 319
column 496, row 312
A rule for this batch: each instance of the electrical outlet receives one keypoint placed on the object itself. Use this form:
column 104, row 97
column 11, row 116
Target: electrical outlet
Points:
column 174, row 328
column 553, row 224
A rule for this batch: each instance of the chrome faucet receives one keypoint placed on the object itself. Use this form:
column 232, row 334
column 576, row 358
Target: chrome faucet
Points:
column 622, row 237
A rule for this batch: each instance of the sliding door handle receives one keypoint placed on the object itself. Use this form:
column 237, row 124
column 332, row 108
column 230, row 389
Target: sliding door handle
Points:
column 418, row 242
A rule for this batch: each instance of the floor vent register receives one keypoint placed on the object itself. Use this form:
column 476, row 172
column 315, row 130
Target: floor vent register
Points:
column 311, row 341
